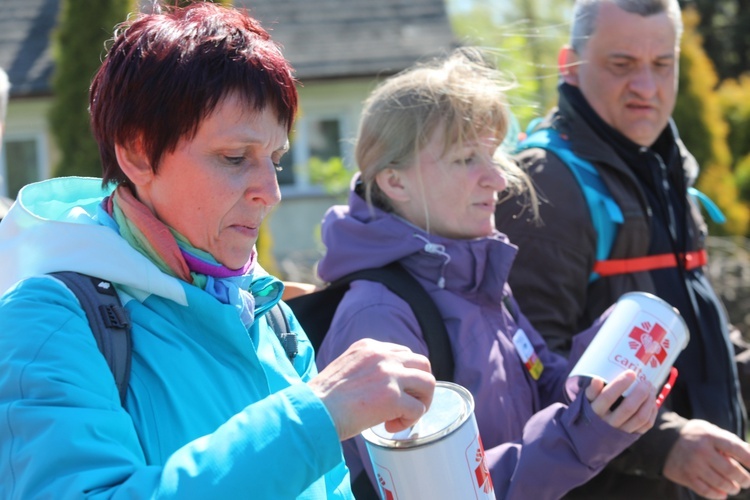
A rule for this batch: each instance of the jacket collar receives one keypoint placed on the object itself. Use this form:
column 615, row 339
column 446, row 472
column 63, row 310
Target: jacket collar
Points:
column 575, row 114
column 359, row 237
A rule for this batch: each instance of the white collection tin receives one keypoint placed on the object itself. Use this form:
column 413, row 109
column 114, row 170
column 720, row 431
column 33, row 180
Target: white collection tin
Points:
column 643, row 333
column 441, row 457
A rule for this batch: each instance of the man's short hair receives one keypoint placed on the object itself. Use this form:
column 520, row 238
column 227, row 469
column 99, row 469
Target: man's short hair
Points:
column 585, row 13
column 4, row 91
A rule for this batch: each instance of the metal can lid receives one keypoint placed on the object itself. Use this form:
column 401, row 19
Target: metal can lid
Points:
column 451, row 407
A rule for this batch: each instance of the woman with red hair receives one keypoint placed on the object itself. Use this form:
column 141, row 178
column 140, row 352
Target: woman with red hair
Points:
column 191, row 109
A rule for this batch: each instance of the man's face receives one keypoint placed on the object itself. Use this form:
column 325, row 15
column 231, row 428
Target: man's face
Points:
column 627, row 71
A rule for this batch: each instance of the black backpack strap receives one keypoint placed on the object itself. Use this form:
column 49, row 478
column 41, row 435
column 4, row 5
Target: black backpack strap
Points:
column 363, row 489
column 109, row 322
column 280, row 325
column 316, row 318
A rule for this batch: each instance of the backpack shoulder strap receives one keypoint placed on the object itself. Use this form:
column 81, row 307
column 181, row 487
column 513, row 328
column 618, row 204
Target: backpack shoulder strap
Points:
column 605, row 213
column 316, row 310
column 109, row 322
column 399, row 281
column 280, row 325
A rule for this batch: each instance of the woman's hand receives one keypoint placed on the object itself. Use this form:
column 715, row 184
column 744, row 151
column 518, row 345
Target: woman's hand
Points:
column 374, row 382
column 636, row 412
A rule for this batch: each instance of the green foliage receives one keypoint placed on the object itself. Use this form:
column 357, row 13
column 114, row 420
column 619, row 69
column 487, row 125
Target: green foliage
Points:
column 331, row 174
column 734, row 99
column 742, row 174
column 704, row 131
column 78, row 45
column 723, row 25
column 734, row 96
column 525, row 40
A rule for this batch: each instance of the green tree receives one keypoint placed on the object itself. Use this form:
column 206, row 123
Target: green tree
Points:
column 332, row 175
column 78, row 46
column 723, row 25
column 734, row 97
column 525, row 36
column 704, row 131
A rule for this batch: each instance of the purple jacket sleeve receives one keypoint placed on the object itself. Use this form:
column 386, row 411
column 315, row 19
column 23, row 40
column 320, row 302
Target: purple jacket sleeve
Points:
column 564, row 445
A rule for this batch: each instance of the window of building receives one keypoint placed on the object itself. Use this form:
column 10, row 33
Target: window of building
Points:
column 22, row 162
column 314, row 137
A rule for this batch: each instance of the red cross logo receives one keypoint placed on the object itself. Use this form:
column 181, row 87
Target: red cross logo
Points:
column 650, row 343
column 482, row 474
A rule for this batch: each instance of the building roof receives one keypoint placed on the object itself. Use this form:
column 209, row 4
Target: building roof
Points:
column 322, row 38
column 334, row 38
column 25, row 53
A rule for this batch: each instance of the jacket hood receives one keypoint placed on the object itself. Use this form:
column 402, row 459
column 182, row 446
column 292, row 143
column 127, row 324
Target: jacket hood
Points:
column 358, row 236
column 56, row 225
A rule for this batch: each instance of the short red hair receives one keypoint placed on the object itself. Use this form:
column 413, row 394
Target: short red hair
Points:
column 166, row 72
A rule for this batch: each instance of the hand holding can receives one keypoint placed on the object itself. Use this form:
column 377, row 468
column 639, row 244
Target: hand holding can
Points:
column 634, row 414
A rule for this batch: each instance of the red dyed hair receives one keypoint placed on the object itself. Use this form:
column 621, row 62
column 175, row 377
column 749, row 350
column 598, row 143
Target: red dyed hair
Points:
column 166, row 72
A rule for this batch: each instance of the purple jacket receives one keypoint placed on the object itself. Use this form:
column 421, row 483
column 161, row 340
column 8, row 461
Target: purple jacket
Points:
column 537, row 447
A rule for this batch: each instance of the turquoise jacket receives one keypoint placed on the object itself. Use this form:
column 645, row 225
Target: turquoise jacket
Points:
column 212, row 411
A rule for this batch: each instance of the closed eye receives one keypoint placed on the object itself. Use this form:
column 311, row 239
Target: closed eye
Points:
column 468, row 160
column 621, row 66
column 234, row 160
column 664, row 65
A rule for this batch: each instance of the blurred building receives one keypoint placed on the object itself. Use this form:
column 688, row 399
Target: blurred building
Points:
column 339, row 49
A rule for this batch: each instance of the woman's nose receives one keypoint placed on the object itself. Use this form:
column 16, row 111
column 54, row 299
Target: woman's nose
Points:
column 263, row 185
column 495, row 177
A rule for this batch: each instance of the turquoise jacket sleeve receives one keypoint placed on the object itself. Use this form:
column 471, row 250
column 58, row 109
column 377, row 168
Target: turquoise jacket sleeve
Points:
column 63, row 433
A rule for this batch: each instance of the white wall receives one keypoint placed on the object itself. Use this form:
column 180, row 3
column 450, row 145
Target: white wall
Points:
column 295, row 223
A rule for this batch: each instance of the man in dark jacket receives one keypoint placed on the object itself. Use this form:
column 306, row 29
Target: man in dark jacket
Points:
column 618, row 89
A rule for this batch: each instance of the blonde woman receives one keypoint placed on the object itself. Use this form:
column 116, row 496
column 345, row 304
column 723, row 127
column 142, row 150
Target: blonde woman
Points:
column 430, row 174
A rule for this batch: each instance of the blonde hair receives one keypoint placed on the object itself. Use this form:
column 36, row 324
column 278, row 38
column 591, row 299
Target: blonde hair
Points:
column 461, row 92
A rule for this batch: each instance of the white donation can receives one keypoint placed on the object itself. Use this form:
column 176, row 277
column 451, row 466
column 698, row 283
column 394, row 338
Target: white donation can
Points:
column 643, row 333
column 440, row 457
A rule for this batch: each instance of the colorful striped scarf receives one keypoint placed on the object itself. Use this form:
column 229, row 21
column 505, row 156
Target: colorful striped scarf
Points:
column 173, row 254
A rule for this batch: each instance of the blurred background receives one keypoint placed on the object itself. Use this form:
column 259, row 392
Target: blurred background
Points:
column 340, row 50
